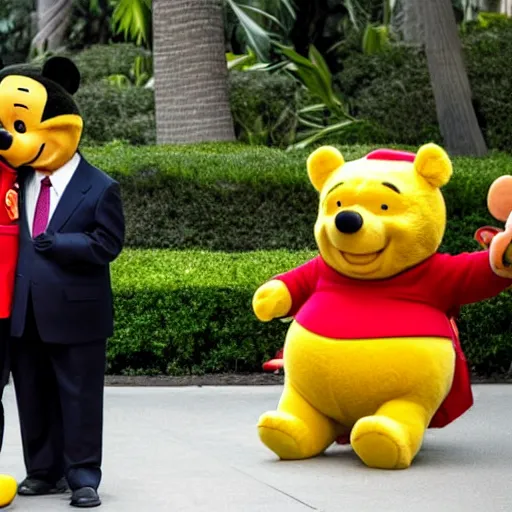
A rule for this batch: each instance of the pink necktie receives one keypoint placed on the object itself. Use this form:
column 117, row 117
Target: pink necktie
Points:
column 42, row 212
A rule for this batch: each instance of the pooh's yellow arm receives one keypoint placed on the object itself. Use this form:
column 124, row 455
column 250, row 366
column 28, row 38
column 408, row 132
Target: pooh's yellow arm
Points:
column 286, row 293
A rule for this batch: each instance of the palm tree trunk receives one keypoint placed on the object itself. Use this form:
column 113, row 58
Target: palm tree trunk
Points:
column 455, row 113
column 191, row 89
column 506, row 7
column 53, row 17
column 413, row 29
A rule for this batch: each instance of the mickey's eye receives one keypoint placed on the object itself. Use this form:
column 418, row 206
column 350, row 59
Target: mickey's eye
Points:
column 384, row 206
column 338, row 203
column 20, row 127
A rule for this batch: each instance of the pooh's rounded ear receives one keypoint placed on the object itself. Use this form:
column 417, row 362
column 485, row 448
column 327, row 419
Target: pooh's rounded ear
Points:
column 433, row 163
column 62, row 71
column 322, row 163
column 499, row 198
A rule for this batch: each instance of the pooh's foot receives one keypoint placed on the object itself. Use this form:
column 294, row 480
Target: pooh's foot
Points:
column 297, row 430
column 393, row 436
column 382, row 443
column 289, row 437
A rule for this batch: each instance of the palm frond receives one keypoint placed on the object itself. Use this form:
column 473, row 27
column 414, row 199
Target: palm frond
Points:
column 263, row 13
column 133, row 19
column 259, row 39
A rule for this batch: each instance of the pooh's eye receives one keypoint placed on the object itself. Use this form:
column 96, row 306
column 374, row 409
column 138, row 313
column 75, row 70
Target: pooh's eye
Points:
column 20, row 127
column 338, row 204
column 384, row 206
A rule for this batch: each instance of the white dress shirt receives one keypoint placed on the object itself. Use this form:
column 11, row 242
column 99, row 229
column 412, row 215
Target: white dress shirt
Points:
column 60, row 180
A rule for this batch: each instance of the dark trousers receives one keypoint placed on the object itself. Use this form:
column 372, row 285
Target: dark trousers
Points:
column 59, row 391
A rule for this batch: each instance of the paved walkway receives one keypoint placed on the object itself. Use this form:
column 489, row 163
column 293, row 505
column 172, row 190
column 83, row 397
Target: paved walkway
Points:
column 196, row 450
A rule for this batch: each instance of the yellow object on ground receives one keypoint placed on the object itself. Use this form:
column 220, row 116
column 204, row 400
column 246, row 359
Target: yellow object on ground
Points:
column 8, row 490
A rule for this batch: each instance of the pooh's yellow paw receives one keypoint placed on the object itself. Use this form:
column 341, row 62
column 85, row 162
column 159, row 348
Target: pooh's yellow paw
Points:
column 272, row 300
column 381, row 442
column 8, row 490
column 284, row 434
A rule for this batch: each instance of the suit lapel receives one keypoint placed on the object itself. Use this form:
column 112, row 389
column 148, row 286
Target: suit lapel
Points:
column 72, row 197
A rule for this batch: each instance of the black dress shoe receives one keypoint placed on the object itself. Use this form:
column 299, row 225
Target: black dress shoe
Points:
column 35, row 487
column 85, row 497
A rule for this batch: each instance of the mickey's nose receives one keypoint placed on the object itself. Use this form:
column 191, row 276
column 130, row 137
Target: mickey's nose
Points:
column 5, row 140
column 349, row 222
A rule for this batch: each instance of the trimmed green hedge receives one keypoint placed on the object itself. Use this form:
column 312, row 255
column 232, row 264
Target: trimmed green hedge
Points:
column 190, row 312
column 232, row 197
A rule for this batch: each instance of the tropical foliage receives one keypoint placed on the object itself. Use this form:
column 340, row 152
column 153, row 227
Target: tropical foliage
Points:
column 15, row 29
column 308, row 41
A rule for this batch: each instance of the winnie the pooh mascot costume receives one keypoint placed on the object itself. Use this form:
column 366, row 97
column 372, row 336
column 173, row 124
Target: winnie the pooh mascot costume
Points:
column 371, row 351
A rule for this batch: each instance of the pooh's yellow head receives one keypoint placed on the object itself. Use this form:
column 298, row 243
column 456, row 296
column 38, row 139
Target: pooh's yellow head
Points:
column 381, row 214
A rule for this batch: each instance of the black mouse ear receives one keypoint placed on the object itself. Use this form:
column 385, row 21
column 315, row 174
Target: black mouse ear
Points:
column 62, row 71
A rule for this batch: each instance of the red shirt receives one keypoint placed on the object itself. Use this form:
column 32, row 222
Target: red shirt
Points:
column 414, row 303
column 417, row 302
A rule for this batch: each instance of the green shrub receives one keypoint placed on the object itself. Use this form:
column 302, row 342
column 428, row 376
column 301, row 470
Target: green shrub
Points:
column 100, row 61
column 392, row 90
column 264, row 107
column 111, row 112
column 190, row 312
column 116, row 113
column 490, row 74
column 240, row 198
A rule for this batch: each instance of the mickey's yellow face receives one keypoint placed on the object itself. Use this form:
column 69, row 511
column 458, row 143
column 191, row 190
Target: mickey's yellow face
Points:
column 27, row 139
column 377, row 218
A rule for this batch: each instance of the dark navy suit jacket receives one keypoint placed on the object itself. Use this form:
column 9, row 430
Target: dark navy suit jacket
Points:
column 69, row 280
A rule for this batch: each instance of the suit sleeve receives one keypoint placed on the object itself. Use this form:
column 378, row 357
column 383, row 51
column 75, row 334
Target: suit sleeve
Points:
column 104, row 243
column 301, row 282
column 470, row 278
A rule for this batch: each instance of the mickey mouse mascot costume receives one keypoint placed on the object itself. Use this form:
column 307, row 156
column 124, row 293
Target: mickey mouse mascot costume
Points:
column 71, row 227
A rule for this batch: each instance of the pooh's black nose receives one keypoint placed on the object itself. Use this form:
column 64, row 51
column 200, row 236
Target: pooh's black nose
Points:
column 349, row 222
column 5, row 140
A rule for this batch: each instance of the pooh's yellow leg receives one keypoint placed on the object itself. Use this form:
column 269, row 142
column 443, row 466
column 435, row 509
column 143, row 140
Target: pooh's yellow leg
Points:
column 392, row 437
column 296, row 430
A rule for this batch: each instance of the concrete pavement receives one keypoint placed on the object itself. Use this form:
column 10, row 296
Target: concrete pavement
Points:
column 196, row 450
